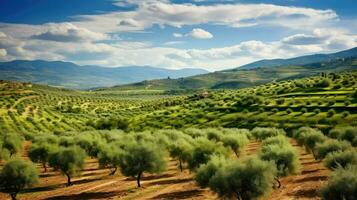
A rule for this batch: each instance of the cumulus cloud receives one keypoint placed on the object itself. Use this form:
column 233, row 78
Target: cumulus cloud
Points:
column 303, row 39
column 67, row 32
column 200, row 34
column 162, row 13
column 177, row 35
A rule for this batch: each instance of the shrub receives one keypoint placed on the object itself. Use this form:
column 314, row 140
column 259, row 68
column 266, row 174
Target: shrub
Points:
column 235, row 141
column 40, row 152
column 331, row 112
column 341, row 159
column 329, row 146
column 304, row 110
column 262, row 133
column 342, row 184
column 69, row 160
column 16, row 175
column 247, row 179
column 289, row 111
column 317, row 111
column 141, row 157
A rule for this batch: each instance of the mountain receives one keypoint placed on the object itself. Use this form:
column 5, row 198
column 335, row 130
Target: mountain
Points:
column 252, row 76
column 70, row 75
column 302, row 60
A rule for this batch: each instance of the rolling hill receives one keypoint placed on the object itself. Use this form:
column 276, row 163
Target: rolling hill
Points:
column 70, row 75
column 302, row 60
column 251, row 75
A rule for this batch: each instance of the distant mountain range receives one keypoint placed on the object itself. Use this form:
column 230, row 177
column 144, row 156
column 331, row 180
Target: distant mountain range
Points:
column 302, row 60
column 256, row 73
column 70, row 75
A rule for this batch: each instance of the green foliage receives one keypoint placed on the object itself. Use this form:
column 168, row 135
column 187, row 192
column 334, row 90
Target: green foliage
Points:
column 329, row 146
column 276, row 140
column 206, row 171
column 247, row 179
column 40, row 152
column 109, row 156
column 202, row 151
column 110, row 123
column 11, row 144
column 263, row 133
column 141, row 157
column 341, row 159
column 284, row 156
column 342, row 184
column 16, row 175
column 347, row 133
column 235, row 141
column 69, row 160
column 180, row 150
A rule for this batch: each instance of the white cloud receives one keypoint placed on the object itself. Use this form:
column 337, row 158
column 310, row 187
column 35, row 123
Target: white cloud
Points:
column 3, row 52
column 67, row 32
column 200, row 34
column 177, row 35
column 162, row 13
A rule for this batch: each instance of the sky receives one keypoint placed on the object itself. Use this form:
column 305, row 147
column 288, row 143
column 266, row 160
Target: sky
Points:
column 174, row 34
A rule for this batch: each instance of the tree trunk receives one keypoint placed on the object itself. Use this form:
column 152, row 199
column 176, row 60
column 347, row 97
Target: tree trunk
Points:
column 180, row 164
column 278, row 181
column 44, row 166
column 13, row 196
column 69, row 183
column 138, row 179
column 113, row 171
column 236, row 153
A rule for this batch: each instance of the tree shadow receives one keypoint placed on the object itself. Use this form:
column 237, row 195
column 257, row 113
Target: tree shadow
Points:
column 87, row 195
column 312, row 178
column 171, row 181
column 180, row 195
column 309, row 193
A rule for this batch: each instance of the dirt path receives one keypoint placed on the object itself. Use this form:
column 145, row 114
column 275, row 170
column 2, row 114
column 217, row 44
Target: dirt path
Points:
column 23, row 99
column 306, row 184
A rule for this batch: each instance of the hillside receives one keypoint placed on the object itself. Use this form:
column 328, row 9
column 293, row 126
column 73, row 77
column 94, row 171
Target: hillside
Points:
column 242, row 78
column 70, row 75
column 302, row 60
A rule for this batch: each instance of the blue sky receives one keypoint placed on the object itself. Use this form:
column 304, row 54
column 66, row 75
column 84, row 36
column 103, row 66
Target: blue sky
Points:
column 209, row 34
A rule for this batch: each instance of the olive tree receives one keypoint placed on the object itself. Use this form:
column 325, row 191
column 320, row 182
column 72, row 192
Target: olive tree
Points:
column 329, row 146
column 341, row 184
column 40, row 152
column 285, row 158
column 141, row 157
column 11, row 143
column 109, row 156
column 202, row 151
column 245, row 180
column 236, row 142
column 69, row 160
column 206, row 171
column 341, row 159
column 180, row 150
column 16, row 175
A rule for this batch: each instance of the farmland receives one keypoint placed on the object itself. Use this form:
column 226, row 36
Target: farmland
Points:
column 299, row 132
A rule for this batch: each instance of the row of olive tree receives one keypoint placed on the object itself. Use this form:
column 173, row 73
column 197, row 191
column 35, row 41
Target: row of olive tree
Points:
column 338, row 155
